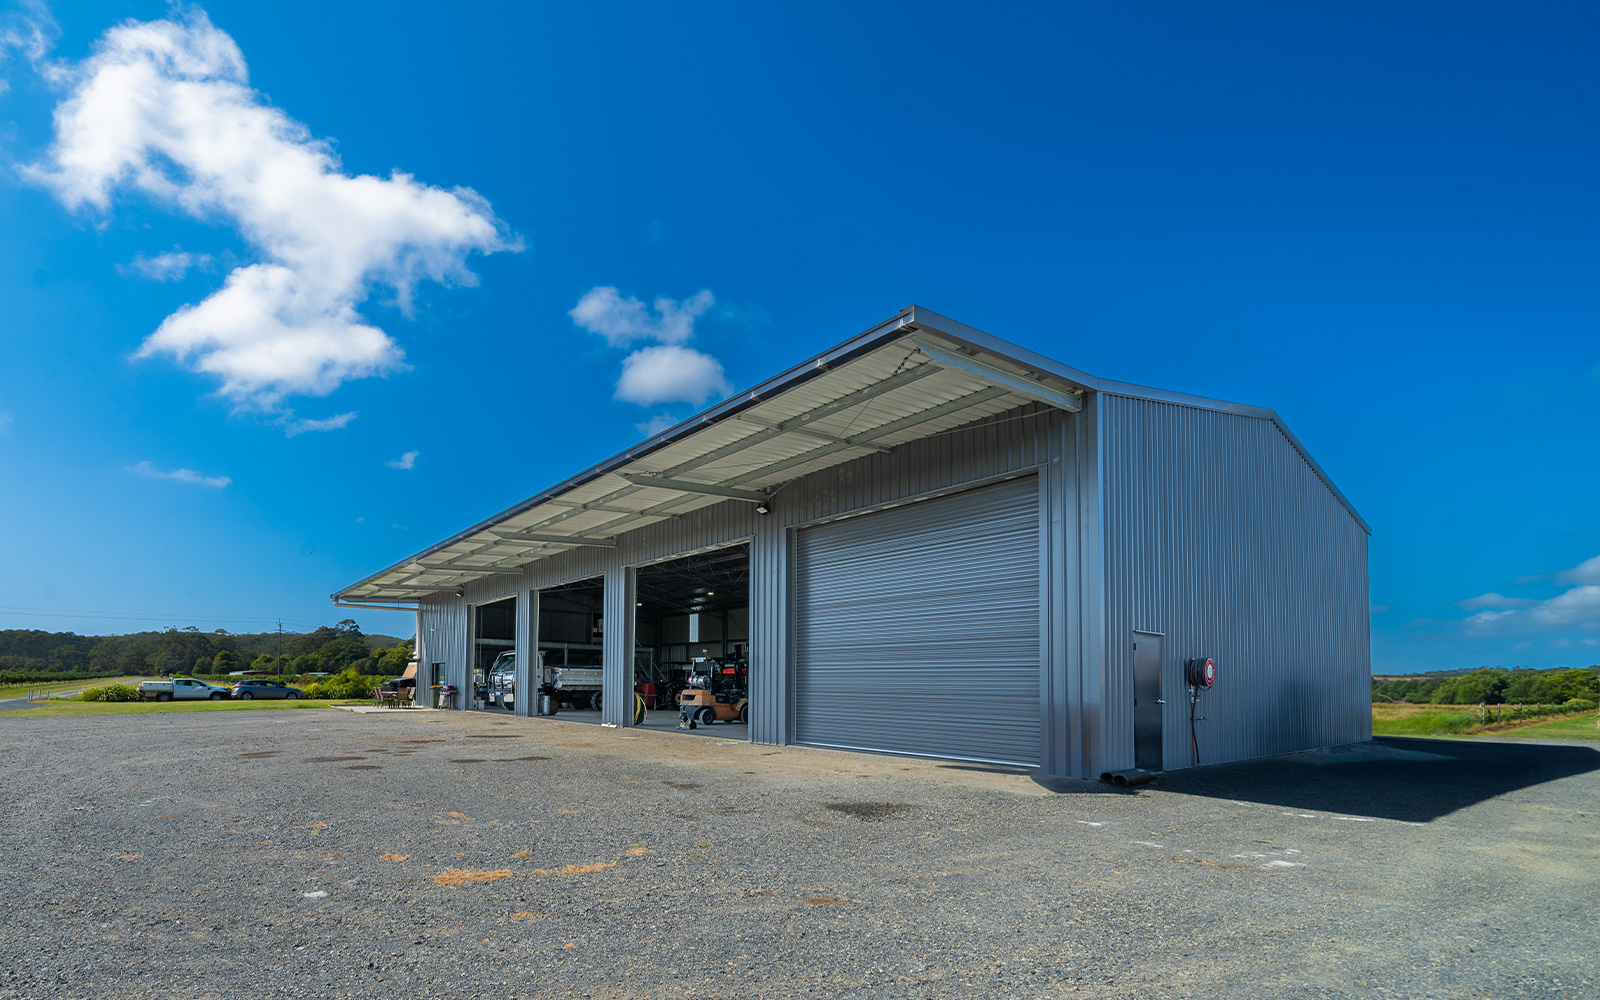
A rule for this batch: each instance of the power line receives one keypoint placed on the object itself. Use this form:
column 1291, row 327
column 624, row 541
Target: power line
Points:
column 150, row 616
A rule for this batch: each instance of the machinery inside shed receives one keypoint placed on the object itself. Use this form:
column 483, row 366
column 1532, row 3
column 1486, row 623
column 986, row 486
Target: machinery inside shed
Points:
column 571, row 635
column 692, row 630
column 494, row 631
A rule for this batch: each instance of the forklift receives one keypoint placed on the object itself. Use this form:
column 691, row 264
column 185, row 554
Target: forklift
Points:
column 716, row 692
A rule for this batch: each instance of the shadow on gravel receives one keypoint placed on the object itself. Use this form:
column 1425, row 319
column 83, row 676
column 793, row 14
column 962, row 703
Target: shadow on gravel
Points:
column 1412, row 780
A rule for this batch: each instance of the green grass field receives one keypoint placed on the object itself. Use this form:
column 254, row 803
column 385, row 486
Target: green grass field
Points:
column 65, row 708
column 1576, row 727
column 1465, row 720
column 22, row 690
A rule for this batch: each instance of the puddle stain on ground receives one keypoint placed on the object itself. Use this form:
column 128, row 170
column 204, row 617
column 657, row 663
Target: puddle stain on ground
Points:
column 262, row 753
column 468, row 760
column 872, row 810
column 331, row 760
column 682, row 786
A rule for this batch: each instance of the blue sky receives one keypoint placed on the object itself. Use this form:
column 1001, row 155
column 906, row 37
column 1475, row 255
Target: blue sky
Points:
column 290, row 291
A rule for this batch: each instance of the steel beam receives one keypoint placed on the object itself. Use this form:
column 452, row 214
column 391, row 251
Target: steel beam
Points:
column 1072, row 402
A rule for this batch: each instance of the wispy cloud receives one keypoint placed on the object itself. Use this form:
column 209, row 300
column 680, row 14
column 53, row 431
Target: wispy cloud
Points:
column 294, row 428
column 1587, row 571
column 668, row 372
column 170, row 266
column 406, row 461
column 151, row 471
column 655, row 425
column 1483, row 601
column 28, row 30
column 164, row 108
column 1575, row 609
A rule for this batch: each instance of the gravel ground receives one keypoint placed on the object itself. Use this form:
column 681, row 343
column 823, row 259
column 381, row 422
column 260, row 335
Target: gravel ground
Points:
column 322, row 853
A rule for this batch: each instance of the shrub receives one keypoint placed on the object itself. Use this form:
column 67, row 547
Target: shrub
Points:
column 345, row 685
column 109, row 692
column 1579, row 705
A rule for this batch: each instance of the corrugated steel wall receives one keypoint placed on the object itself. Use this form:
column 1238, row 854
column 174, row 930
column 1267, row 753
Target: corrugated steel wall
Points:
column 1218, row 534
column 917, row 629
column 1017, row 441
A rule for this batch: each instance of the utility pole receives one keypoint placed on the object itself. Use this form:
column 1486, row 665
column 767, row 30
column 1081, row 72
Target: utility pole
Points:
column 280, row 649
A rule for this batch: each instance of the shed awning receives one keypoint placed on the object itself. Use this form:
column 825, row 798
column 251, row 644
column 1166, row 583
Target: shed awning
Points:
column 917, row 375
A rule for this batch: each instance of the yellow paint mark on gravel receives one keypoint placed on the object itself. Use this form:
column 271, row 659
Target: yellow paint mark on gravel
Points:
column 523, row 854
column 590, row 869
column 825, row 900
column 568, row 946
column 567, row 812
column 461, row 876
column 640, row 852
column 130, row 857
column 524, row 915
column 391, row 856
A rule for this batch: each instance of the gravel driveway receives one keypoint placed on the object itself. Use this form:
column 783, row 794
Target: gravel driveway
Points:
column 320, row 853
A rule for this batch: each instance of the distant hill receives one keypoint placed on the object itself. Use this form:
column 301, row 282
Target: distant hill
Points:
column 27, row 654
column 1491, row 686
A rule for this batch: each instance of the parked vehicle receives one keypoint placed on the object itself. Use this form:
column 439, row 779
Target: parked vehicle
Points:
column 716, row 693
column 501, row 686
column 503, row 680
column 181, row 689
column 246, row 690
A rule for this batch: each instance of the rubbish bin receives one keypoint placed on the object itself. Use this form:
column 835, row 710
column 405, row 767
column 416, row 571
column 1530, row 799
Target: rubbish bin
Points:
column 433, row 695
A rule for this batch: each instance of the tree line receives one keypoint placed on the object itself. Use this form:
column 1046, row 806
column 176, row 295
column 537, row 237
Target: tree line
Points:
column 1493, row 686
column 28, row 655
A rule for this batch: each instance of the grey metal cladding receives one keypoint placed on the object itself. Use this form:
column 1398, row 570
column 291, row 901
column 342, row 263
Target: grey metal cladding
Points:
column 1017, row 442
column 1219, row 534
column 917, row 629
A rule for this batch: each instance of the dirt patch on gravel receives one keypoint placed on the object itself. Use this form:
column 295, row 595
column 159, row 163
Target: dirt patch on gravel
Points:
column 462, row 876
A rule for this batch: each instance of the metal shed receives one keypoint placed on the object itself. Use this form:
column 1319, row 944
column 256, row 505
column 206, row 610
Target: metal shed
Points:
column 958, row 548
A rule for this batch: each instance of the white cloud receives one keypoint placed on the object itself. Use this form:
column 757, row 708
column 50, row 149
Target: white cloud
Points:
column 1587, row 571
column 149, row 470
column 624, row 321
column 670, row 374
column 406, row 461
column 170, row 266
column 295, row 428
column 1494, row 601
column 164, row 108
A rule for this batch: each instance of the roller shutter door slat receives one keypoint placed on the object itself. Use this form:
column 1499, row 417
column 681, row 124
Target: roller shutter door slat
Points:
column 917, row 629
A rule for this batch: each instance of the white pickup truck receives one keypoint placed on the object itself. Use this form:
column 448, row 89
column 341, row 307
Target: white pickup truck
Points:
column 578, row 687
column 181, row 688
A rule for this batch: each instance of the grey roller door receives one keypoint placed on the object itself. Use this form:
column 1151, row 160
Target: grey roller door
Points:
column 917, row 629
